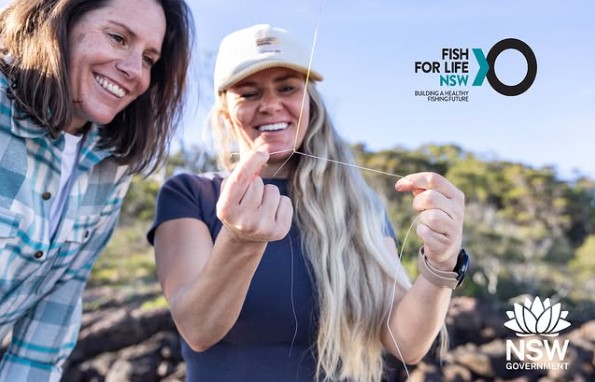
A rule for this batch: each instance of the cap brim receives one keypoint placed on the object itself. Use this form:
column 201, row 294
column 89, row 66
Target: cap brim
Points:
column 253, row 69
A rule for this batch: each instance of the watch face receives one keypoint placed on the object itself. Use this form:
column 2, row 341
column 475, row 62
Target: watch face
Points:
column 462, row 266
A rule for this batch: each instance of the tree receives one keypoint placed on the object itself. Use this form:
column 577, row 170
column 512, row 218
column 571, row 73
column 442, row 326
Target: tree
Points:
column 583, row 263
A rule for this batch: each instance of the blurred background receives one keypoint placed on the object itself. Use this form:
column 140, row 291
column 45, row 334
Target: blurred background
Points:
column 525, row 163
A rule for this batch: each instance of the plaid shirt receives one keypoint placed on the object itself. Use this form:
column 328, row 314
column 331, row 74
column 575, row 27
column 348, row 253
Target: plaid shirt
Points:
column 41, row 277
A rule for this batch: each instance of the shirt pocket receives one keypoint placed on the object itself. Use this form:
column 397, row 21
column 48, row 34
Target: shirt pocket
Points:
column 82, row 229
column 13, row 269
column 73, row 256
column 9, row 227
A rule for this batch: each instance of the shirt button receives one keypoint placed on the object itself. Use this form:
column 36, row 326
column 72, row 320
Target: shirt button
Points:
column 38, row 254
column 86, row 234
column 46, row 195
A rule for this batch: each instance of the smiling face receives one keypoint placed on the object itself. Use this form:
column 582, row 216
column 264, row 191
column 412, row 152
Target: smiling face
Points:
column 112, row 50
column 264, row 110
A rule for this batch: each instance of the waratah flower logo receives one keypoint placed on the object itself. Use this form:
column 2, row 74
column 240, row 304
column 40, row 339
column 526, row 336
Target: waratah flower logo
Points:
column 537, row 318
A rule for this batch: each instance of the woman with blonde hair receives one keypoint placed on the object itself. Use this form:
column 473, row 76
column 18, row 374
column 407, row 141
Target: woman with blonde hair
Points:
column 282, row 267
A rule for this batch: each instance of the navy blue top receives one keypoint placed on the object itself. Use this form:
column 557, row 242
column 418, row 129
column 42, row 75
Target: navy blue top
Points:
column 274, row 338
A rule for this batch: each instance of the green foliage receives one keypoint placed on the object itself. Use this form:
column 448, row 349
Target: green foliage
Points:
column 526, row 230
column 156, row 303
column 190, row 159
column 583, row 264
column 480, row 181
column 140, row 201
column 581, row 209
column 127, row 259
column 522, row 224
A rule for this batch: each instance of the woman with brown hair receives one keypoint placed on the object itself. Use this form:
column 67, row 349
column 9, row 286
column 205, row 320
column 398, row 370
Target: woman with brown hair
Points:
column 90, row 92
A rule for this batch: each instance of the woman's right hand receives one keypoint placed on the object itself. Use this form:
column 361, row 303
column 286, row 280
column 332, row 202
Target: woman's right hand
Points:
column 249, row 209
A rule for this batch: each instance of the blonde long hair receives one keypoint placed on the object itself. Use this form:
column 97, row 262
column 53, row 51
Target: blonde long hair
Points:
column 342, row 223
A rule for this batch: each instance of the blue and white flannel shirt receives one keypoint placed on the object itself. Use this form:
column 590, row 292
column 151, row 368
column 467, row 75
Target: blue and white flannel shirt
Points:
column 41, row 277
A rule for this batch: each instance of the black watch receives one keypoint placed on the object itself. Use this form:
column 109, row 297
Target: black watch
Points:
column 462, row 266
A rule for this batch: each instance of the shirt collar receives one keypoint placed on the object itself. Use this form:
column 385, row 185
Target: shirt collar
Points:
column 23, row 126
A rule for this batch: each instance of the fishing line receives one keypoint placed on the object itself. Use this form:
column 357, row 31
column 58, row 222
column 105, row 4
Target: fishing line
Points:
column 348, row 164
column 331, row 161
column 291, row 281
column 392, row 300
column 315, row 38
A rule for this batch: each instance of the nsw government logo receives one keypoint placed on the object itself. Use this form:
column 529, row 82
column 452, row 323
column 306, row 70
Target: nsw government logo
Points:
column 452, row 73
column 536, row 324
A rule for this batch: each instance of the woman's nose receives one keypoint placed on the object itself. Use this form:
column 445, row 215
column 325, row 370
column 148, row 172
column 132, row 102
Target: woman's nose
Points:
column 270, row 103
column 131, row 66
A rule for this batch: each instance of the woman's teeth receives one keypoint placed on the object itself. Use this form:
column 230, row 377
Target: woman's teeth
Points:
column 110, row 87
column 273, row 127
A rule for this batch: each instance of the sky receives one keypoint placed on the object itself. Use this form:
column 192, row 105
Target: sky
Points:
column 367, row 52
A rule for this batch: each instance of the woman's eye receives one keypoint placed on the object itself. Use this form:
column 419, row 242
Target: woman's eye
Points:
column 287, row 89
column 248, row 95
column 149, row 61
column 117, row 38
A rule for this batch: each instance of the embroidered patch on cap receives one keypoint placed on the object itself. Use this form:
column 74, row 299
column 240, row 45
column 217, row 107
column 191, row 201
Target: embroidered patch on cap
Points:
column 266, row 43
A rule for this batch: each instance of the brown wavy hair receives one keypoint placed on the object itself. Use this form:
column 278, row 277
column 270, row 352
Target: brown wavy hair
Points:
column 35, row 35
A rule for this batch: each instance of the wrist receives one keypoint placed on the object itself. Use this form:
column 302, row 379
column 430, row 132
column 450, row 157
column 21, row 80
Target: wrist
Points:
column 441, row 278
column 446, row 265
column 239, row 241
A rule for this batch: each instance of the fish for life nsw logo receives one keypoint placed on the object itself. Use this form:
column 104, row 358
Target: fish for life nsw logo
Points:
column 536, row 323
column 453, row 72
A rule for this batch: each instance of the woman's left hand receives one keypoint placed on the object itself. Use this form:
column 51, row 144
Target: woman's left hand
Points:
column 441, row 209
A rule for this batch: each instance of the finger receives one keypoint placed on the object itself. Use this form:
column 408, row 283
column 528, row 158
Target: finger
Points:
column 252, row 197
column 269, row 201
column 432, row 199
column 442, row 254
column 242, row 175
column 438, row 223
column 428, row 181
column 437, row 246
column 432, row 240
column 284, row 216
column 440, row 235
column 429, row 199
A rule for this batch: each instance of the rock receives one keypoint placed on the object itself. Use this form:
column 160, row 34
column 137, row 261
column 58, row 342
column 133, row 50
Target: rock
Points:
column 456, row 373
column 121, row 341
column 469, row 321
column 473, row 359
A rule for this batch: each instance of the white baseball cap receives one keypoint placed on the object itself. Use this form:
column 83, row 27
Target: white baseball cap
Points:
column 247, row 51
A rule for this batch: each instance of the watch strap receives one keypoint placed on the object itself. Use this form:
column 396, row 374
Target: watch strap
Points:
column 442, row 279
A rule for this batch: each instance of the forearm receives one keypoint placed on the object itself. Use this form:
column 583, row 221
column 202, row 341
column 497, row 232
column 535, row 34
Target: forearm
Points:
column 416, row 320
column 207, row 307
